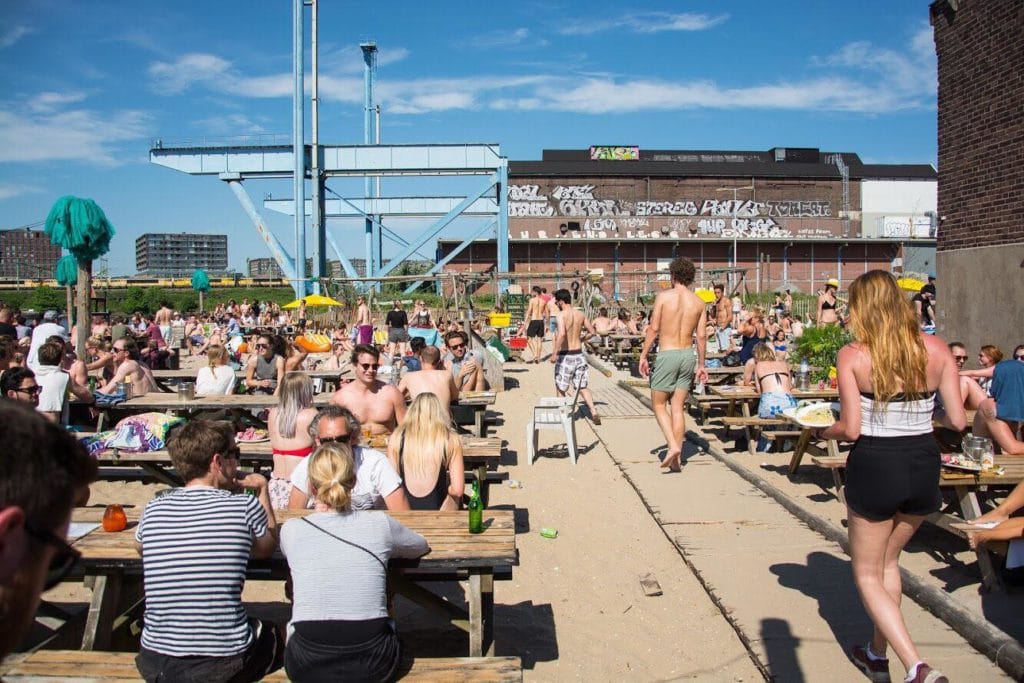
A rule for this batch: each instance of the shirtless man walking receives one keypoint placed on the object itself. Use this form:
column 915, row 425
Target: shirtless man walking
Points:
column 163, row 321
column 533, row 325
column 433, row 379
column 364, row 322
column 723, row 319
column 570, row 365
column 379, row 407
column 677, row 313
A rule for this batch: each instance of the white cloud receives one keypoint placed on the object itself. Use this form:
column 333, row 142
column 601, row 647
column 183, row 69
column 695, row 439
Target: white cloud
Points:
column 230, row 124
column 46, row 102
column 10, row 37
column 858, row 77
column 51, row 134
column 645, row 22
column 501, row 38
column 11, row 190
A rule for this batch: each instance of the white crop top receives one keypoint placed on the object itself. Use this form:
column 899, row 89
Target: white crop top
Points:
column 899, row 417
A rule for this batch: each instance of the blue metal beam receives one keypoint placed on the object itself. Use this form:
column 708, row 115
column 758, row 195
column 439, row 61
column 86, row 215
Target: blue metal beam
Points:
column 503, row 260
column 412, row 207
column 437, row 227
column 300, row 285
column 273, row 244
column 345, row 263
column 455, row 252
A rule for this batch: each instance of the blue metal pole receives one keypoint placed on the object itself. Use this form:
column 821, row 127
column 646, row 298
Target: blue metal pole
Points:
column 369, row 66
column 299, row 150
column 503, row 258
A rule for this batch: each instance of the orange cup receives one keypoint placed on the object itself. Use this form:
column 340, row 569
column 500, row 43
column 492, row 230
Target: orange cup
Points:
column 114, row 518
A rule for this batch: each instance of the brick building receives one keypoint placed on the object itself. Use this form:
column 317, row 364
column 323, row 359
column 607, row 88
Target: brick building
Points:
column 980, row 48
column 792, row 217
column 27, row 254
column 180, row 254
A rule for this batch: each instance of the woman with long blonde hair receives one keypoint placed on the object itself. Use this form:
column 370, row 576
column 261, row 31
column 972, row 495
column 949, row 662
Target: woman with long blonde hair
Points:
column 218, row 378
column 427, row 453
column 339, row 635
column 888, row 378
column 288, row 425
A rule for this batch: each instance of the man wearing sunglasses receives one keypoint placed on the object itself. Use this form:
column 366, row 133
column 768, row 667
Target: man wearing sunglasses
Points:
column 378, row 486
column 467, row 367
column 19, row 384
column 378, row 406
column 196, row 542
column 43, row 473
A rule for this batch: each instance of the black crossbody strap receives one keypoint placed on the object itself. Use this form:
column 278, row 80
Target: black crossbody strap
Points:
column 354, row 545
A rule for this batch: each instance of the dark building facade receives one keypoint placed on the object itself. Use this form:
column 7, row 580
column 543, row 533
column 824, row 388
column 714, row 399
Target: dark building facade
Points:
column 980, row 49
column 180, row 254
column 27, row 254
column 267, row 267
column 793, row 217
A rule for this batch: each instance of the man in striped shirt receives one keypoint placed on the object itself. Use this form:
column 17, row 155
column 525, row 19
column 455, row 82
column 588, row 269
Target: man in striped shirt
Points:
column 196, row 542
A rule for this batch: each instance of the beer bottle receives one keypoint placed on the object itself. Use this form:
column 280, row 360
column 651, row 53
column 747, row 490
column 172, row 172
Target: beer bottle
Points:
column 476, row 510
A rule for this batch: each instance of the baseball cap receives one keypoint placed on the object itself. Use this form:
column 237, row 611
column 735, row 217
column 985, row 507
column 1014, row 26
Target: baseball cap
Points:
column 834, row 282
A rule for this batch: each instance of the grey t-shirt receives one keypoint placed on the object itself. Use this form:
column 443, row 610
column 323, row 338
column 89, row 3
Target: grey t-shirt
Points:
column 456, row 366
column 321, row 564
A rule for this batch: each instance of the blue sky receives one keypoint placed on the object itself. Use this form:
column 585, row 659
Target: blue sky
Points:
column 85, row 88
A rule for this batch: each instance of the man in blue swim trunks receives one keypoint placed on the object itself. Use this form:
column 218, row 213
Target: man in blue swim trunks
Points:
column 678, row 312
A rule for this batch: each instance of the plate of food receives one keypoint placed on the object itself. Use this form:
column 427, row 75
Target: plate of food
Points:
column 252, row 435
column 959, row 461
column 813, row 415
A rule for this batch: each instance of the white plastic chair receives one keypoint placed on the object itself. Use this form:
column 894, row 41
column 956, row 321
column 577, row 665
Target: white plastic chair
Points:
column 556, row 414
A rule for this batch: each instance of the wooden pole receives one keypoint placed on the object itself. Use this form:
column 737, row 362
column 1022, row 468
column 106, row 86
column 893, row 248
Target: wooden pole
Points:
column 70, row 306
column 200, row 301
column 83, row 292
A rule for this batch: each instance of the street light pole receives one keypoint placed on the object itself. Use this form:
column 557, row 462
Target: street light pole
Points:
column 735, row 211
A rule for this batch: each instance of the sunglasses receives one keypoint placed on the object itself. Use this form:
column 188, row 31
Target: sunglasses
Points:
column 342, row 438
column 959, row 357
column 64, row 560
column 31, row 391
column 454, row 347
column 1020, row 357
column 262, row 346
column 119, row 350
column 369, row 366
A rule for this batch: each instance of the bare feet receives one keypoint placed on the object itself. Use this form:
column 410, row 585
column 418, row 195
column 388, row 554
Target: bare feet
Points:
column 672, row 460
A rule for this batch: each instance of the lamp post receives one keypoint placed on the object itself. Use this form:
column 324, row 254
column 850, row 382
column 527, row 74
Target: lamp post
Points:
column 735, row 203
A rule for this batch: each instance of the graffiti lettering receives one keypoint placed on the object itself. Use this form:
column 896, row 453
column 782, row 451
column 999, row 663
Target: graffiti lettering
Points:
column 760, row 227
column 800, row 209
column 574, row 192
column 590, row 207
column 527, row 209
column 666, row 208
column 525, row 193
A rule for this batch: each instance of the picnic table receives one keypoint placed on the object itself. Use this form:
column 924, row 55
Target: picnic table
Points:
column 112, row 569
column 480, row 455
column 744, row 396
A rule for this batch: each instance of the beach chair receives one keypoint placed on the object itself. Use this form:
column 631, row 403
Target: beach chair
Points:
column 555, row 414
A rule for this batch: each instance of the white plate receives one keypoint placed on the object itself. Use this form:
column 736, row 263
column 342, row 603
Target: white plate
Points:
column 263, row 440
column 794, row 414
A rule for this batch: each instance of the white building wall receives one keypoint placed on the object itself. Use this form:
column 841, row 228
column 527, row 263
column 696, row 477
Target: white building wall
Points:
column 898, row 208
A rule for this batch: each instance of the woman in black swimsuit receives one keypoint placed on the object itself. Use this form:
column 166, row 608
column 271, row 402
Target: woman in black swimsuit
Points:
column 427, row 453
column 827, row 303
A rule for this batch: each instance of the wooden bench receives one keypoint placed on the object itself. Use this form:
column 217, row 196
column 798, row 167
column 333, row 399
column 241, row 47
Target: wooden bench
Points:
column 82, row 666
column 750, row 424
column 836, row 464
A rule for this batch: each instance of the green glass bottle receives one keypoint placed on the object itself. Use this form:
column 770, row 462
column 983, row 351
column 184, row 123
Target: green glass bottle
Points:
column 476, row 510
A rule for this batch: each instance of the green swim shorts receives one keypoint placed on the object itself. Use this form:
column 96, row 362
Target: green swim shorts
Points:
column 674, row 370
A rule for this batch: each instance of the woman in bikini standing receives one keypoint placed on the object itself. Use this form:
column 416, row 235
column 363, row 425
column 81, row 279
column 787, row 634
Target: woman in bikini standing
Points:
column 288, row 425
column 888, row 379
column 827, row 303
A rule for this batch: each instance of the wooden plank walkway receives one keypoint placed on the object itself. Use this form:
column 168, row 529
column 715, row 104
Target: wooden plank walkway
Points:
column 616, row 402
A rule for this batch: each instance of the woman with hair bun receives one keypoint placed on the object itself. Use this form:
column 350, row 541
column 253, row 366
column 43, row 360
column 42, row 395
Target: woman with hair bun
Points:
column 342, row 634
column 888, row 378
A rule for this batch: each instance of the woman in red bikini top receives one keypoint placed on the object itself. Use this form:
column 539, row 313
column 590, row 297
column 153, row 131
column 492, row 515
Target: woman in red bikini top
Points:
column 288, row 425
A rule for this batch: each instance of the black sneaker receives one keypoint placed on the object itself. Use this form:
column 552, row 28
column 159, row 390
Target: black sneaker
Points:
column 876, row 670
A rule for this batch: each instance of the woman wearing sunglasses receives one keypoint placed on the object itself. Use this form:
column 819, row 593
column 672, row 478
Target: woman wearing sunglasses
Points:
column 265, row 369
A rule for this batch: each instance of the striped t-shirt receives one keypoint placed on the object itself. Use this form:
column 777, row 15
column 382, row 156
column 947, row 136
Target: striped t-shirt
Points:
column 196, row 543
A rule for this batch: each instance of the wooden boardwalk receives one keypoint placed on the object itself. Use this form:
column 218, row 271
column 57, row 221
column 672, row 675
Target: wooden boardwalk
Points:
column 614, row 401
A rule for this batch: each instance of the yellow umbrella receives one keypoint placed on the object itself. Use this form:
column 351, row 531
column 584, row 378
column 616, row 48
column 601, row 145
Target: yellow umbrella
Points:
column 705, row 294
column 910, row 284
column 313, row 300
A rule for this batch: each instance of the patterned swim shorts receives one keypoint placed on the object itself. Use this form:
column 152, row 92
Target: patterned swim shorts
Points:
column 571, row 368
column 279, row 490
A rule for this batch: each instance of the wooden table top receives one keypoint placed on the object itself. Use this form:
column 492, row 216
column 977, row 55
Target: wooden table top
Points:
column 1013, row 474
column 451, row 544
column 749, row 393
column 190, row 374
column 168, row 401
column 474, row 448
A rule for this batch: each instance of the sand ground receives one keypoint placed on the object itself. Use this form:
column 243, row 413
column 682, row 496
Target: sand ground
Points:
column 747, row 589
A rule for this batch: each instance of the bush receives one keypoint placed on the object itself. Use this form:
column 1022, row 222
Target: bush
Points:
column 820, row 346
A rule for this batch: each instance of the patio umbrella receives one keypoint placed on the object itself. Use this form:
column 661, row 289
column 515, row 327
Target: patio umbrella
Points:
column 910, row 284
column 66, row 275
column 705, row 294
column 201, row 284
column 81, row 227
column 313, row 300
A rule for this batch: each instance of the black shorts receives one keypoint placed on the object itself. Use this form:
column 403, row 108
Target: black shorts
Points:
column 265, row 655
column 535, row 329
column 886, row 475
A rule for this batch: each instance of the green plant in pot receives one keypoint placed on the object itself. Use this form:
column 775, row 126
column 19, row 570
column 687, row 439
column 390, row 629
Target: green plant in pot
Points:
column 820, row 346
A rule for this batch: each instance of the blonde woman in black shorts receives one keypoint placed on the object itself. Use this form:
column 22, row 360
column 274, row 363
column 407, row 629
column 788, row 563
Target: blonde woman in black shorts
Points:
column 888, row 379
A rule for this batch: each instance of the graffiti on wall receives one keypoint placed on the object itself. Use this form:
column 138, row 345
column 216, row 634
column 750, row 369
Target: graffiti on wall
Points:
column 698, row 217
column 614, row 153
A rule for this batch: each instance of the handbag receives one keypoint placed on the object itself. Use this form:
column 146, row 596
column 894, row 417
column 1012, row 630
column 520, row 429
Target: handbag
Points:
column 731, row 360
